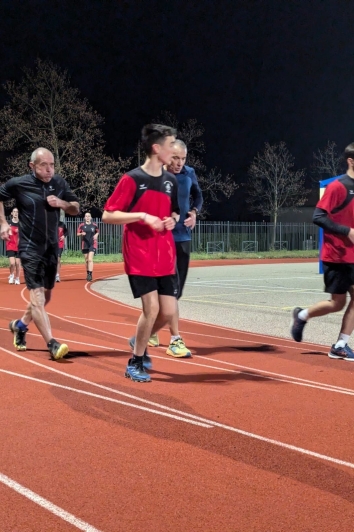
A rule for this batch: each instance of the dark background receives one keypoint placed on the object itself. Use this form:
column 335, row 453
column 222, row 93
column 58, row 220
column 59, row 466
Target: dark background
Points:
column 249, row 71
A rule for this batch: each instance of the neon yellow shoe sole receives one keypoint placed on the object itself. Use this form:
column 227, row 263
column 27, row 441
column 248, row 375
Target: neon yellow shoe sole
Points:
column 178, row 349
column 154, row 341
column 59, row 351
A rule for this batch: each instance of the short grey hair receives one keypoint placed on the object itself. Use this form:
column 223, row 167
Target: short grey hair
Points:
column 180, row 143
column 34, row 154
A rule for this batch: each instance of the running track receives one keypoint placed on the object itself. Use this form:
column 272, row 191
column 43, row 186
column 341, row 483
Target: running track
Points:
column 253, row 433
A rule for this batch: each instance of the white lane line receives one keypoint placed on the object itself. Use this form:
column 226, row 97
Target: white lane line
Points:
column 15, row 309
column 289, row 379
column 205, row 423
column 109, row 399
column 280, row 377
column 106, row 388
column 47, row 505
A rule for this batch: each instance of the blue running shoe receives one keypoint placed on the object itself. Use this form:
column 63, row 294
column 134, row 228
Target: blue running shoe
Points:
column 297, row 326
column 136, row 371
column 345, row 353
column 147, row 362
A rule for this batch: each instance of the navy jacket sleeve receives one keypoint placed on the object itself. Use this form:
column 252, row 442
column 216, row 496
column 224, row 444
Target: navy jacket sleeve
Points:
column 196, row 193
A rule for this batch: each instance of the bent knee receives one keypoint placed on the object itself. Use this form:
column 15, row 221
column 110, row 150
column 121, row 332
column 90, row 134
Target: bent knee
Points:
column 338, row 305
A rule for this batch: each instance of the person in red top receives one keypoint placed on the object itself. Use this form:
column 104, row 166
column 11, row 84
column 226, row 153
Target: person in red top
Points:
column 89, row 234
column 12, row 249
column 62, row 233
column 335, row 214
column 146, row 201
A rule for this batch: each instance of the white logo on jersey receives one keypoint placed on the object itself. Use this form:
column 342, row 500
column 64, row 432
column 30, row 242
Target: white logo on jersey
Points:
column 168, row 186
column 142, row 186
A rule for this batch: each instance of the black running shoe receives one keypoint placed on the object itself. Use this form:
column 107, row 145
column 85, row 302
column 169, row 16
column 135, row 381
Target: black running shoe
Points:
column 57, row 350
column 297, row 327
column 19, row 335
column 89, row 276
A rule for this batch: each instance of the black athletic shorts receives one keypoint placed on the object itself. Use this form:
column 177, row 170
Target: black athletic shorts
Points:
column 60, row 251
column 167, row 285
column 85, row 251
column 338, row 278
column 11, row 253
column 183, row 252
column 40, row 271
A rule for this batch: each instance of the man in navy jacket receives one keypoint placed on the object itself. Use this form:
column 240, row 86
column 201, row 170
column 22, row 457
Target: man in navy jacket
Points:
column 190, row 201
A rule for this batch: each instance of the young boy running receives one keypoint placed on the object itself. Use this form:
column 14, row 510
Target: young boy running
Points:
column 145, row 200
column 12, row 249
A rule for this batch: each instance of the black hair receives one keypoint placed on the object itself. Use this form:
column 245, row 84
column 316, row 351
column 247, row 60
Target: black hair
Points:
column 155, row 134
column 349, row 152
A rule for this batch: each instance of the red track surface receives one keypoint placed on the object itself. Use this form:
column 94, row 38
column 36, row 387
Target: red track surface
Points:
column 225, row 441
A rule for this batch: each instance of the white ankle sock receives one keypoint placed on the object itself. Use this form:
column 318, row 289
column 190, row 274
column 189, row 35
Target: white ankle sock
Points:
column 174, row 338
column 303, row 314
column 342, row 340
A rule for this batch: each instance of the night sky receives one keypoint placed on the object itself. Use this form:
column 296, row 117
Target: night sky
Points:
column 249, row 71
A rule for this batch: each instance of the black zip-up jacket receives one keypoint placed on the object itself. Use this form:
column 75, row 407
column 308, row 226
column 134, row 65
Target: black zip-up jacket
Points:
column 38, row 221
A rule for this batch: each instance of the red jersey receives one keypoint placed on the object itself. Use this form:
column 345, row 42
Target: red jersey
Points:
column 338, row 248
column 146, row 251
column 12, row 243
column 62, row 232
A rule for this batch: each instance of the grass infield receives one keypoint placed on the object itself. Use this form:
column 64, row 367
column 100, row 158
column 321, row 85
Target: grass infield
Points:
column 76, row 257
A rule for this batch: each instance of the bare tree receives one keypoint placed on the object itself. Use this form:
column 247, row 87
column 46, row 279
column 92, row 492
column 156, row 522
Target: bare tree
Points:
column 44, row 110
column 327, row 162
column 213, row 183
column 273, row 187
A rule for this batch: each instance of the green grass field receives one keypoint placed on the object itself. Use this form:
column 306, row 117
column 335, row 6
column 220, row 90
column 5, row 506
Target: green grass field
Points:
column 75, row 257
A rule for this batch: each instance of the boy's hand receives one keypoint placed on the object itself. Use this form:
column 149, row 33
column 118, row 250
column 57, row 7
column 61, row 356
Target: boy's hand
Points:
column 169, row 223
column 154, row 222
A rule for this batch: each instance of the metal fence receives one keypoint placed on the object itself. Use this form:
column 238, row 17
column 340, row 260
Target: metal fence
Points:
column 212, row 237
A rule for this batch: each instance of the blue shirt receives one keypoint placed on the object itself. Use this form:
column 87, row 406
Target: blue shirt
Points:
column 187, row 187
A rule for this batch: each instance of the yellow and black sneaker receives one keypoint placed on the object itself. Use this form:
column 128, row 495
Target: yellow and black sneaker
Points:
column 57, row 350
column 19, row 335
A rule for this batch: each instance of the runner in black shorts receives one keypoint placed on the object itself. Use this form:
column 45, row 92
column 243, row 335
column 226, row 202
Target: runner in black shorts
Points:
column 335, row 214
column 12, row 249
column 145, row 201
column 39, row 197
column 89, row 234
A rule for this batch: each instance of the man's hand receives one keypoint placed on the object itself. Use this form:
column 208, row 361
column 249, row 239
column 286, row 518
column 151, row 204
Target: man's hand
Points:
column 191, row 220
column 154, row 222
column 5, row 231
column 62, row 238
column 169, row 223
column 55, row 202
